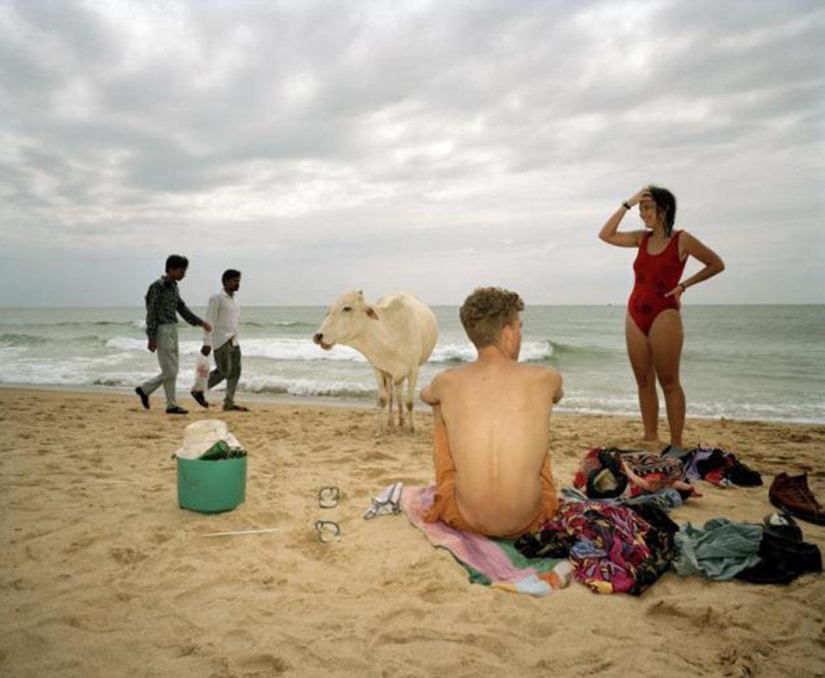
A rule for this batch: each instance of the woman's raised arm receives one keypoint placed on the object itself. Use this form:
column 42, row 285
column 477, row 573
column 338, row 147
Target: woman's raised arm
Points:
column 610, row 233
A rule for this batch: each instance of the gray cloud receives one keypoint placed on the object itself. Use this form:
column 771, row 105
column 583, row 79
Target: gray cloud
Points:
column 378, row 144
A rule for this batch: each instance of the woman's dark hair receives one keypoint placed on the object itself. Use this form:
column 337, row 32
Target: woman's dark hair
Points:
column 665, row 201
column 176, row 261
column 228, row 274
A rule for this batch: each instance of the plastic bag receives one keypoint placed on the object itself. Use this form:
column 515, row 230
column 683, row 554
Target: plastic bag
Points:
column 201, row 373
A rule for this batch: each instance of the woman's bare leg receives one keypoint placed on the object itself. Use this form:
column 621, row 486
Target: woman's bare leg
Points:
column 666, row 340
column 638, row 350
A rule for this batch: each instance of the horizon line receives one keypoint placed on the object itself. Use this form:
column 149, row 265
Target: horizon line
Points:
column 454, row 305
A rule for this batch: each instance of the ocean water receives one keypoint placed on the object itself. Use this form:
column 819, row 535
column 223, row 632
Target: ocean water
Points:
column 739, row 362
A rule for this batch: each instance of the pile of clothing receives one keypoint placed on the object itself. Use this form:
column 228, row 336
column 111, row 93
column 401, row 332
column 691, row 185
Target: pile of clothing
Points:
column 612, row 548
column 618, row 537
column 609, row 473
column 719, row 467
column 617, row 548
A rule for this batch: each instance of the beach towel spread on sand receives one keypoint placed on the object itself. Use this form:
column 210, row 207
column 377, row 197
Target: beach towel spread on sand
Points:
column 489, row 561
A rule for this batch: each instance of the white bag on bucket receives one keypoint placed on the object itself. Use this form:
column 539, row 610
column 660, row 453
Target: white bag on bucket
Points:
column 201, row 373
column 200, row 436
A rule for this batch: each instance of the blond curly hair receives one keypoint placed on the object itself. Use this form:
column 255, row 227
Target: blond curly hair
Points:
column 486, row 311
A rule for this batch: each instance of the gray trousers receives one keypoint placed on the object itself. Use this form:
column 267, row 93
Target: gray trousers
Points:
column 227, row 366
column 168, row 360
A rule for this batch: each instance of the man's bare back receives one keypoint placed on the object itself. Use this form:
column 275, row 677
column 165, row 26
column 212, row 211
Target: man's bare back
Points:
column 496, row 412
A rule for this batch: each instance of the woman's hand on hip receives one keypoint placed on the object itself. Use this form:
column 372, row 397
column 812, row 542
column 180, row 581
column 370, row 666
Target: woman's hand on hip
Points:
column 677, row 293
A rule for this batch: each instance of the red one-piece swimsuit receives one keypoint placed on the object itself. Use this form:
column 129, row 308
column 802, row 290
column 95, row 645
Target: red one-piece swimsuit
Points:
column 656, row 275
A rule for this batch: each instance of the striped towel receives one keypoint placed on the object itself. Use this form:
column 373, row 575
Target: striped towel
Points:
column 489, row 561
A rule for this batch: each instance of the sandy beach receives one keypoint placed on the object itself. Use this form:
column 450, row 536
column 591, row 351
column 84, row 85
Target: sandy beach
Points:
column 103, row 574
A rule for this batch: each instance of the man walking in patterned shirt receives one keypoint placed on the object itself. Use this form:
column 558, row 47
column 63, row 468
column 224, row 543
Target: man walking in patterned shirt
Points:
column 163, row 303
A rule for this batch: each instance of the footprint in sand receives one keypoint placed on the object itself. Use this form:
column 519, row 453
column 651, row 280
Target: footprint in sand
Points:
column 264, row 663
column 736, row 663
column 127, row 556
column 188, row 650
column 799, row 438
column 161, row 537
column 79, row 545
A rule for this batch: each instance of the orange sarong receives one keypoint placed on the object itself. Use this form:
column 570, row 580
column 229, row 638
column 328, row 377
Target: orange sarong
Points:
column 444, row 506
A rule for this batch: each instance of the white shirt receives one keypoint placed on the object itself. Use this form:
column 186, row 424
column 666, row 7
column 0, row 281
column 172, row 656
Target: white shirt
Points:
column 225, row 317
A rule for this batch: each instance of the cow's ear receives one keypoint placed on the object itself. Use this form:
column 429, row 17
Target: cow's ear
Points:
column 371, row 313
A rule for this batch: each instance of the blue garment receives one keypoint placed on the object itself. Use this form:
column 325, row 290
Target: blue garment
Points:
column 666, row 499
column 720, row 551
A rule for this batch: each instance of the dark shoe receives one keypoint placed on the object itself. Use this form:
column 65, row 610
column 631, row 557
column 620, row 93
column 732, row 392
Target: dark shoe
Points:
column 144, row 399
column 782, row 525
column 744, row 476
column 235, row 408
column 792, row 495
column 199, row 398
column 782, row 553
column 176, row 410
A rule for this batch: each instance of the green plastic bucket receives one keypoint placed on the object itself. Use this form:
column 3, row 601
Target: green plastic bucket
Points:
column 211, row 486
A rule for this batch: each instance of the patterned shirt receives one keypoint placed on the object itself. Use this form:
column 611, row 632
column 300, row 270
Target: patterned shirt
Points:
column 163, row 303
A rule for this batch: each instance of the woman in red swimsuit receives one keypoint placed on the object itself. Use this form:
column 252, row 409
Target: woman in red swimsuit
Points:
column 653, row 326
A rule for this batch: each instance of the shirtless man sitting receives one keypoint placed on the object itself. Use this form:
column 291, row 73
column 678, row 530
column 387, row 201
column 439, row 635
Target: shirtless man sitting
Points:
column 492, row 465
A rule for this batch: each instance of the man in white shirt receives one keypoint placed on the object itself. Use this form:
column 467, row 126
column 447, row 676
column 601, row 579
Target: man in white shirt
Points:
column 224, row 316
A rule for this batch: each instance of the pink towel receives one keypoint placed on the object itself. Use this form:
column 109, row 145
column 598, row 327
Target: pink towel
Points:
column 483, row 554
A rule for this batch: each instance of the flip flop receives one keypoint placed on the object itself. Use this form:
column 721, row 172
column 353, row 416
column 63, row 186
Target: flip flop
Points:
column 386, row 503
column 328, row 497
column 327, row 530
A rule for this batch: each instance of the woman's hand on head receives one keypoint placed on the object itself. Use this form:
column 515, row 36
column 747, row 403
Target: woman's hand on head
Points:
column 639, row 196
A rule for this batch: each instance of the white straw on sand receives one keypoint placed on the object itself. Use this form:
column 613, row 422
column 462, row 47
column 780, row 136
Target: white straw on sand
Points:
column 231, row 534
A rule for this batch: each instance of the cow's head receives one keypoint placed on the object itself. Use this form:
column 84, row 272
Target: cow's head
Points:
column 345, row 320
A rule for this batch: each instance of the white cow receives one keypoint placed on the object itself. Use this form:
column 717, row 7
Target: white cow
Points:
column 397, row 335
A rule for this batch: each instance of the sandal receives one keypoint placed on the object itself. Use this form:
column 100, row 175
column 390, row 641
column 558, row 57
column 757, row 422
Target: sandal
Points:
column 328, row 497
column 327, row 530
column 386, row 503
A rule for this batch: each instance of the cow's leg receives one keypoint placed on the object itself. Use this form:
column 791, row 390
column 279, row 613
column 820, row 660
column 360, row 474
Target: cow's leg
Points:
column 383, row 398
column 412, row 378
column 391, row 395
column 399, row 398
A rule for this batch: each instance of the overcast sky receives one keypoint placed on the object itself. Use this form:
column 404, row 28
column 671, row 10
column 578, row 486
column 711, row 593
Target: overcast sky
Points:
column 422, row 146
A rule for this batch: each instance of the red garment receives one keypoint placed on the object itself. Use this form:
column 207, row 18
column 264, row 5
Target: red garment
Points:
column 656, row 275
